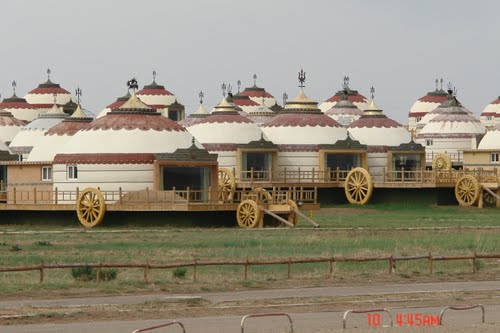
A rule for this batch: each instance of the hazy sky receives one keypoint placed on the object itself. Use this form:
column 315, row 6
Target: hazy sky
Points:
column 397, row 46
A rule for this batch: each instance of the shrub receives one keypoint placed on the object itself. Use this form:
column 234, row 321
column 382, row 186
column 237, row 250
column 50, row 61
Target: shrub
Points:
column 179, row 272
column 15, row 248
column 43, row 243
column 88, row 273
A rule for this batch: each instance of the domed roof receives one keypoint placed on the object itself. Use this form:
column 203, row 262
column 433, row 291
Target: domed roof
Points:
column 374, row 128
column 344, row 111
column 225, row 126
column 57, row 136
column 260, row 115
column 30, row 134
column 9, row 126
column 429, row 102
column 353, row 95
column 256, row 93
column 450, row 102
column 131, row 128
column 244, row 102
column 42, row 97
column 492, row 139
column 453, row 122
column 119, row 102
column 301, row 122
column 491, row 113
column 155, row 95
column 196, row 116
column 19, row 107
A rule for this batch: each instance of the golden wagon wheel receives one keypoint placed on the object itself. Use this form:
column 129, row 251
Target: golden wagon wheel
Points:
column 90, row 207
column 358, row 186
column 467, row 190
column 248, row 214
column 227, row 185
column 488, row 199
column 293, row 217
column 441, row 162
column 262, row 196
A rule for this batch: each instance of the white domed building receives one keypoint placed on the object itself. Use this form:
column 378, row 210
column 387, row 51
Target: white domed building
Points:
column 304, row 135
column 19, row 107
column 261, row 115
column 159, row 98
column 9, row 126
column 344, row 111
column 224, row 132
column 116, row 104
column 56, row 137
column 424, row 105
column 258, row 94
column 487, row 154
column 42, row 97
column 450, row 132
column 389, row 145
column 353, row 95
column 490, row 116
column 133, row 148
column 23, row 142
column 196, row 116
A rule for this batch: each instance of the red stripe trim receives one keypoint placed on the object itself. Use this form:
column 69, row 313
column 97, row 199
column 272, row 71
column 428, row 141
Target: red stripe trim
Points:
column 104, row 159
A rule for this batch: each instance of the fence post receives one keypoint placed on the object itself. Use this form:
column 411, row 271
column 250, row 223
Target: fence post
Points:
column 474, row 269
column 56, row 195
column 194, row 270
column 313, row 175
column 34, row 195
column 331, row 266
column 173, row 195
column 146, row 272
column 98, row 277
column 289, row 266
column 14, row 195
column 391, row 263
column 120, row 195
column 430, row 263
column 41, row 270
column 147, row 195
column 246, row 268
column 187, row 194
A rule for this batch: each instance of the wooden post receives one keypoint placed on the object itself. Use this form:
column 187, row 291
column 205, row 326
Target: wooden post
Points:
column 120, row 195
column 474, row 269
column 147, row 195
column 14, row 195
column 98, row 277
column 403, row 174
column 299, row 174
column 289, row 266
column 173, row 195
column 56, row 195
column 430, row 263
column 480, row 202
column 34, row 195
column 331, row 266
column 498, row 199
column 194, row 270
column 146, row 271
column 77, row 192
column 313, row 175
column 246, row 268
column 391, row 263
column 251, row 175
column 285, row 175
column 41, row 271
column 337, row 174
column 187, row 194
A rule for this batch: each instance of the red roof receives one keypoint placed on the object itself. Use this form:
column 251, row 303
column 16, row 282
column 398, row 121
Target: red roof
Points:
column 104, row 158
column 16, row 105
column 433, row 98
column 67, row 128
column 353, row 98
column 147, row 91
column 220, row 146
column 11, row 121
column 256, row 93
column 488, row 114
column 496, row 101
column 379, row 122
column 43, row 106
column 49, row 90
column 301, row 120
column 115, row 104
column 244, row 102
column 224, row 118
column 131, row 121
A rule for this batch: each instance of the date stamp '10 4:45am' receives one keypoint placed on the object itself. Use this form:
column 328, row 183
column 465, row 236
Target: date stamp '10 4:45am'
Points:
column 406, row 319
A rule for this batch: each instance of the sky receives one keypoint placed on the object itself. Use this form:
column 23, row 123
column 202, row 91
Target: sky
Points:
column 399, row 47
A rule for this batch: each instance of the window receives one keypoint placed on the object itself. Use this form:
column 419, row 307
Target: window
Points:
column 46, row 173
column 494, row 158
column 418, row 119
column 72, row 172
column 428, row 142
column 489, row 118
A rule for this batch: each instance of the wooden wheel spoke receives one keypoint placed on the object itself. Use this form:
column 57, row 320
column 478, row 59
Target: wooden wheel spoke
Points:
column 358, row 186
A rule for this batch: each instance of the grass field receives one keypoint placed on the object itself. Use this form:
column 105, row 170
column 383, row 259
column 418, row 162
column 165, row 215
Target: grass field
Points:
column 378, row 230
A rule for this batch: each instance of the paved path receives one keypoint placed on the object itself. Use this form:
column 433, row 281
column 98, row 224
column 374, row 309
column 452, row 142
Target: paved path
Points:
column 384, row 289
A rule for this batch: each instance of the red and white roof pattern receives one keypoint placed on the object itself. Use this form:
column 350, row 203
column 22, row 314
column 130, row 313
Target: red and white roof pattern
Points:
column 19, row 108
column 245, row 103
column 302, row 123
column 450, row 101
column 261, row 115
column 224, row 125
column 194, row 117
column 492, row 139
column 156, row 96
column 30, row 134
column 344, row 111
column 116, row 104
column 427, row 103
column 9, row 126
column 491, row 114
column 42, row 97
column 57, row 136
column 259, row 95
column 354, row 96
column 375, row 129
column 133, row 127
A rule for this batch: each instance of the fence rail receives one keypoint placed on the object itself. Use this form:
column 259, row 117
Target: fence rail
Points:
column 246, row 263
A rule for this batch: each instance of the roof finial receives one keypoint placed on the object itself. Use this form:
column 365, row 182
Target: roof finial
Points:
column 78, row 93
column 285, row 97
column 345, row 85
column 302, row 78
column 372, row 92
column 441, row 81
column 450, row 88
column 154, row 76
column 229, row 89
column 14, row 85
column 48, row 74
column 255, row 80
column 201, row 95
column 223, row 86
column 132, row 84
column 55, row 97
column 192, row 140
column 437, row 82
column 239, row 85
